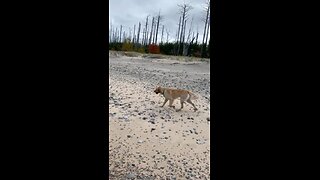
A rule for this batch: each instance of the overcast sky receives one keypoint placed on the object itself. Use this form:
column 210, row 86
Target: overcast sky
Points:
column 130, row 12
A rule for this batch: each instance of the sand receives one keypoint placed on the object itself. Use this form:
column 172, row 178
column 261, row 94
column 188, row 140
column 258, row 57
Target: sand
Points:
column 147, row 141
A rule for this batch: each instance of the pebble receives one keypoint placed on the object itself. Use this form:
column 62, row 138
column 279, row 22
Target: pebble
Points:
column 199, row 141
column 131, row 175
column 151, row 121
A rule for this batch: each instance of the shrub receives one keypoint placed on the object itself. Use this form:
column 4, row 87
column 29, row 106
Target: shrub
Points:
column 167, row 48
column 141, row 50
column 154, row 49
column 115, row 46
column 127, row 46
column 197, row 54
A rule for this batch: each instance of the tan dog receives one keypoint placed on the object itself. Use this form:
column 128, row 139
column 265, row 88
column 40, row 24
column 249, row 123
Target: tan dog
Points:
column 172, row 94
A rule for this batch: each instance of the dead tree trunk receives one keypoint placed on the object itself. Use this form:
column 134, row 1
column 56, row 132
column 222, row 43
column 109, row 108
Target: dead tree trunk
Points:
column 146, row 32
column 183, row 39
column 197, row 36
column 205, row 28
column 181, row 34
column 110, row 33
column 184, row 32
column 178, row 35
column 208, row 30
column 120, row 32
column 138, row 35
column 130, row 34
column 190, row 46
column 134, row 34
column 187, row 43
column 184, row 9
column 162, row 34
column 144, row 37
column 158, row 22
column 116, row 35
column 154, row 31
column 150, row 38
column 167, row 31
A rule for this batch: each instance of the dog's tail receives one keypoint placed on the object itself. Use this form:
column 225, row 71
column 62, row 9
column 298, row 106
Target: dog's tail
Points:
column 193, row 96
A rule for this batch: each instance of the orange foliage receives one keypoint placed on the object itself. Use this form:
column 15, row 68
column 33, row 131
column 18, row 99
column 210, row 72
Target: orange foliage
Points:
column 154, row 49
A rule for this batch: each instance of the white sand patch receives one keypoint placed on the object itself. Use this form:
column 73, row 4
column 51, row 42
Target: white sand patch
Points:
column 149, row 141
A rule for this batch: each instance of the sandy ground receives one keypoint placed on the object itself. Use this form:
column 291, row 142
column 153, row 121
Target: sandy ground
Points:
column 147, row 141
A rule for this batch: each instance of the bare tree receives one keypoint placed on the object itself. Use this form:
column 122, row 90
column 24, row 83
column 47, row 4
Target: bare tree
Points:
column 168, row 32
column 145, row 36
column 120, row 32
column 158, row 22
column 183, row 38
column 143, row 42
column 184, row 9
column 154, row 31
column 205, row 27
column 134, row 34
column 162, row 34
column 178, row 35
column 151, row 31
column 116, row 35
column 113, row 34
column 130, row 34
column 111, row 40
column 184, row 31
column 124, row 36
column 197, row 35
column 208, row 30
column 187, row 44
column 110, row 33
column 189, row 33
column 138, row 36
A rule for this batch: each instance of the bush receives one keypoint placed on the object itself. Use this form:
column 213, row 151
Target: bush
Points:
column 141, row 50
column 197, row 54
column 167, row 48
column 127, row 46
column 154, row 49
column 115, row 46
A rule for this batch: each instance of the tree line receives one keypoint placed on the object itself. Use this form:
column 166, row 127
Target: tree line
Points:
column 145, row 37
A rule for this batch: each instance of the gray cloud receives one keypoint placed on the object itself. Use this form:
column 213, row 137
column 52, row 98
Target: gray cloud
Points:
column 130, row 12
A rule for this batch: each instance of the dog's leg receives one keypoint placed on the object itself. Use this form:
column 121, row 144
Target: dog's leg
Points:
column 171, row 102
column 165, row 101
column 181, row 102
column 189, row 101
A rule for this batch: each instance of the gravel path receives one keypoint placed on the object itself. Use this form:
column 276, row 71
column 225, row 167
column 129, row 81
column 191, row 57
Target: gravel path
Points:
column 147, row 141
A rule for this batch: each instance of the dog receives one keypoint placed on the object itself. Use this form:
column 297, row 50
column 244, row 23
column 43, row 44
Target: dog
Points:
column 171, row 94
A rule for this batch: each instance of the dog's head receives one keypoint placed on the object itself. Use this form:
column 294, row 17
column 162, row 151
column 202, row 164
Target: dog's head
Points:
column 158, row 90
